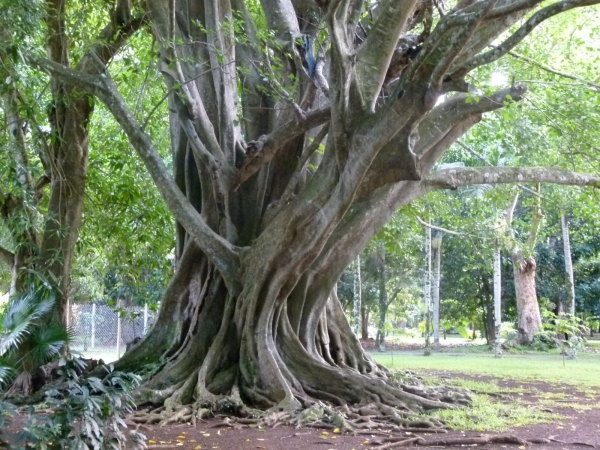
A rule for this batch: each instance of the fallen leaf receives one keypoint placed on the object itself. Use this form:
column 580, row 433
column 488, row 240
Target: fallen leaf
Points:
column 324, row 432
column 151, row 442
column 337, row 430
column 206, row 434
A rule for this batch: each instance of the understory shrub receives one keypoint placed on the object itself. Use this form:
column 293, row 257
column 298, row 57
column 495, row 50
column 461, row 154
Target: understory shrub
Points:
column 87, row 413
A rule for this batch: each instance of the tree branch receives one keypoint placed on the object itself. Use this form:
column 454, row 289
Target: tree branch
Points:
column 219, row 251
column 375, row 54
column 553, row 71
column 263, row 150
column 464, row 176
column 519, row 35
column 433, row 227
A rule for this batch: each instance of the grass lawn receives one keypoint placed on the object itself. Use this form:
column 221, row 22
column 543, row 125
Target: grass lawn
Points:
column 582, row 372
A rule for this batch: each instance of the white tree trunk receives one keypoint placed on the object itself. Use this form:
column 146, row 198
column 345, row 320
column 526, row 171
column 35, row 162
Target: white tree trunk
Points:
column 436, row 249
column 570, row 279
column 497, row 301
column 427, row 288
column 357, row 317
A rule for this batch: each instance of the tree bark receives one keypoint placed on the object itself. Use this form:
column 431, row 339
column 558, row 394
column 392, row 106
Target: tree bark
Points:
column 436, row 250
column 569, row 277
column 529, row 321
column 356, row 302
column 497, row 301
column 427, row 289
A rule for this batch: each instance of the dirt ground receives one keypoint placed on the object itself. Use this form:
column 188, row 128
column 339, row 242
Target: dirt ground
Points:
column 578, row 430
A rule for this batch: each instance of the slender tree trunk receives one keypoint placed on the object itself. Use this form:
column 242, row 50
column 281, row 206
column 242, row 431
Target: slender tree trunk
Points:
column 356, row 302
column 497, row 301
column 383, row 307
column 436, row 251
column 569, row 278
column 364, row 323
column 427, row 290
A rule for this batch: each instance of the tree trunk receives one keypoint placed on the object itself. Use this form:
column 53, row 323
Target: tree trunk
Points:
column 356, row 302
column 364, row 323
column 497, row 301
column 569, row 277
column 436, row 250
column 383, row 307
column 427, row 290
column 529, row 321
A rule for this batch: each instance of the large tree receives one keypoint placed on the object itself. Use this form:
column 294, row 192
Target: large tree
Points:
column 298, row 128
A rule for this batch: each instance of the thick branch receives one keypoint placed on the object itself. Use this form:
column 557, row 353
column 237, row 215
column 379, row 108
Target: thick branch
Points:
column 464, row 176
column 217, row 249
column 375, row 54
column 263, row 150
column 438, row 131
column 519, row 35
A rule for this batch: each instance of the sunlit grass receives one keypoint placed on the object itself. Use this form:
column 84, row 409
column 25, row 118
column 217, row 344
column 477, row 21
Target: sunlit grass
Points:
column 581, row 372
column 487, row 414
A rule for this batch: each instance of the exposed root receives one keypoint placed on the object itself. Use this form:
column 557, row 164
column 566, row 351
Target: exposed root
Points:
column 399, row 442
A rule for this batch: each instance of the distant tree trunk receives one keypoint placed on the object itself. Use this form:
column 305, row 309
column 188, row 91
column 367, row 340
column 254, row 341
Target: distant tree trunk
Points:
column 356, row 304
column 427, row 290
column 436, row 253
column 569, row 278
column 497, row 301
column 383, row 307
column 529, row 321
column 364, row 328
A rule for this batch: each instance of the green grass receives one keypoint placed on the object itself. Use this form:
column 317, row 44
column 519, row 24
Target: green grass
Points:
column 584, row 372
column 487, row 414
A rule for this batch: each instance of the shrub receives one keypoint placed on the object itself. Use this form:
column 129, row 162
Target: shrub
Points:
column 87, row 413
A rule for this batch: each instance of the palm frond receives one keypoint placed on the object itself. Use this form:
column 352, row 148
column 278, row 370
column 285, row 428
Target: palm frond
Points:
column 7, row 374
column 19, row 320
column 48, row 342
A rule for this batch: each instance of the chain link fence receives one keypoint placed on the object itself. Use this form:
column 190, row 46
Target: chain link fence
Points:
column 102, row 333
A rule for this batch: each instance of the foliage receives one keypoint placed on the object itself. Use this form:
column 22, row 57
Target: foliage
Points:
column 87, row 413
column 28, row 339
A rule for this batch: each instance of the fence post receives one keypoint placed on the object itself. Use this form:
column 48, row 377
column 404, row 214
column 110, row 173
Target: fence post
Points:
column 93, row 326
column 118, row 330
column 145, row 317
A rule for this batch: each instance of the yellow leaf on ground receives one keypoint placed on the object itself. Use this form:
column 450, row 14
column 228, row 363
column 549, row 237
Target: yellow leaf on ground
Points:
column 337, row 430
column 150, row 441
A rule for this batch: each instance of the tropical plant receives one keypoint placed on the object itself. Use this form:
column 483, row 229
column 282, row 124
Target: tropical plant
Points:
column 87, row 413
column 28, row 339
